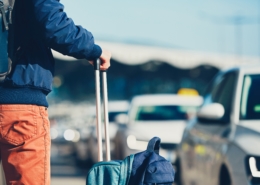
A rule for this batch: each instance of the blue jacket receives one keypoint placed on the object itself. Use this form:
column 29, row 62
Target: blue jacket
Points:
column 42, row 25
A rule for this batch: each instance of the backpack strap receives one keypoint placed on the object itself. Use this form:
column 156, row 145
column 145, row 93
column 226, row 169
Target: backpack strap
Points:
column 154, row 145
column 6, row 10
column 11, row 7
column 11, row 31
column 7, row 5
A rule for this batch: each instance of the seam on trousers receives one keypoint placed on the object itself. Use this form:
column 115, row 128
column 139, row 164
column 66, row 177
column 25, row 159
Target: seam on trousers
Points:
column 1, row 126
column 18, row 142
column 45, row 145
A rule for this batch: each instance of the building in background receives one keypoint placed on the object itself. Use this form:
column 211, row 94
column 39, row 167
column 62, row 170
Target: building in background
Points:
column 139, row 69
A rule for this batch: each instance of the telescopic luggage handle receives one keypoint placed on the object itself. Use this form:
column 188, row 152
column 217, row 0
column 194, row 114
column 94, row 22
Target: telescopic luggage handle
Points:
column 98, row 111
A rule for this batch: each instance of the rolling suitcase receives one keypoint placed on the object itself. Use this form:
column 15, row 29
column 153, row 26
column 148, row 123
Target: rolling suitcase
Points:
column 105, row 172
column 143, row 168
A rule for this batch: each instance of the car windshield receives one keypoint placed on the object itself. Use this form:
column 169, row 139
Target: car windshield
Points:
column 112, row 115
column 159, row 113
column 250, row 99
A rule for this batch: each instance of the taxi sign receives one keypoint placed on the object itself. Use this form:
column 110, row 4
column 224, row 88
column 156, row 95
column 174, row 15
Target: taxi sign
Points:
column 189, row 92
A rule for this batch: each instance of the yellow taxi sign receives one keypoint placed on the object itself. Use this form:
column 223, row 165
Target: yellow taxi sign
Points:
column 188, row 92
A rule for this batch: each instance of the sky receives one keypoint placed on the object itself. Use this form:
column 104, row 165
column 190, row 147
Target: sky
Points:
column 198, row 25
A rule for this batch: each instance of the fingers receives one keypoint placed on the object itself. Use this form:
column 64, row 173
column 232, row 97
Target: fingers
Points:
column 105, row 59
column 105, row 65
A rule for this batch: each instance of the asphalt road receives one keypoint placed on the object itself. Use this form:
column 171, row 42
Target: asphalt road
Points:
column 68, row 181
column 68, row 175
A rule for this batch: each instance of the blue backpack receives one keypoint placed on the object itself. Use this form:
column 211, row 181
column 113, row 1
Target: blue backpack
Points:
column 6, row 37
column 144, row 168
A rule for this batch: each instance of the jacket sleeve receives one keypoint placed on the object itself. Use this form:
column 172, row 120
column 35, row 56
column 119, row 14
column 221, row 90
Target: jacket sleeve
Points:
column 60, row 33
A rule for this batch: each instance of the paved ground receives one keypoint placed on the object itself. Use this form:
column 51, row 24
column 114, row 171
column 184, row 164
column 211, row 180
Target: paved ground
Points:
column 68, row 181
column 68, row 175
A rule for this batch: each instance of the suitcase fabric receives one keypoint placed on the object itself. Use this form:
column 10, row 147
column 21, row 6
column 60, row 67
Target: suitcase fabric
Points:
column 111, row 172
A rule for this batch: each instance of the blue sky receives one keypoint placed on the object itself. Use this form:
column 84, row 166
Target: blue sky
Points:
column 201, row 25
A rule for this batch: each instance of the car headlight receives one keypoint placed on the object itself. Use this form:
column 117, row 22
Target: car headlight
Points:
column 253, row 169
column 135, row 144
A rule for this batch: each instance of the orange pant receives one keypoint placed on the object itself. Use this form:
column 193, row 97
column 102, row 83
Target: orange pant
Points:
column 25, row 144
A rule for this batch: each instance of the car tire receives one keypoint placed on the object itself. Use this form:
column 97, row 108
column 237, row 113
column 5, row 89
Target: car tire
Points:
column 177, row 169
column 83, row 162
column 118, row 150
column 224, row 176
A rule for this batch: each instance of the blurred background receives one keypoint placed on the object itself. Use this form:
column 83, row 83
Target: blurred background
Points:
column 158, row 48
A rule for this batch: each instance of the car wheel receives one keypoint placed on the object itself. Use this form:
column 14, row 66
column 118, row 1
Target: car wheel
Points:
column 83, row 161
column 118, row 150
column 177, row 169
column 224, row 176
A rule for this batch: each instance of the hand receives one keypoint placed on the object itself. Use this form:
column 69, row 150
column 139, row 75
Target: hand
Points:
column 104, row 59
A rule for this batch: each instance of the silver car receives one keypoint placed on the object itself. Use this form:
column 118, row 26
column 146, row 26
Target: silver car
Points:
column 162, row 115
column 221, row 146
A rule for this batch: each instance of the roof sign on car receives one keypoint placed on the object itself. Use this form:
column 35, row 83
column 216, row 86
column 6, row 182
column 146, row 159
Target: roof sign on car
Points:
column 188, row 92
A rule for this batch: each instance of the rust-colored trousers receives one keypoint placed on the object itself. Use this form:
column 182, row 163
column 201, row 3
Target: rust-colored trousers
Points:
column 25, row 144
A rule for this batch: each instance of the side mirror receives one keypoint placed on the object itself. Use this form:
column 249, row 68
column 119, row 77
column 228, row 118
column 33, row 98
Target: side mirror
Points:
column 213, row 111
column 121, row 119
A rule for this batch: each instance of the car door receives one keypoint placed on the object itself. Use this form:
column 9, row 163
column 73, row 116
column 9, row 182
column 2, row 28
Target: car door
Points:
column 205, row 140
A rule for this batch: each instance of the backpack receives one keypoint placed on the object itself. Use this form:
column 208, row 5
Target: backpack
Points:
column 143, row 168
column 6, row 37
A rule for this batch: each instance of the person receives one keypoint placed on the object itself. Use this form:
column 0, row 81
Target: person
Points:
column 40, row 25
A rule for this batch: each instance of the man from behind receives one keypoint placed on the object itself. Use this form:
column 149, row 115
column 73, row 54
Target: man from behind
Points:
column 39, row 26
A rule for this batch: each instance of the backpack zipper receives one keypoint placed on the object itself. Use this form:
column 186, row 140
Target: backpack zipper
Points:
column 2, row 10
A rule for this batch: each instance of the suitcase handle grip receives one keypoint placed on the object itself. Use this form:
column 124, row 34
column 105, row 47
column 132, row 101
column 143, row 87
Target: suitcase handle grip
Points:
column 97, row 64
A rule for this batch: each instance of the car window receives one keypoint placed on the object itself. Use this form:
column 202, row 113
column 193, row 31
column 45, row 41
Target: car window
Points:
column 157, row 113
column 250, row 99
column 222, row 92
column 112, row 115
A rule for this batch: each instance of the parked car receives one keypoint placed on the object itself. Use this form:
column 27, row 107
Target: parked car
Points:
column 69, row 125
column 115, row 109
column 161, row 115
column 84, row 128
column 221, row 145
column 60, row 121
column 62, row 147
